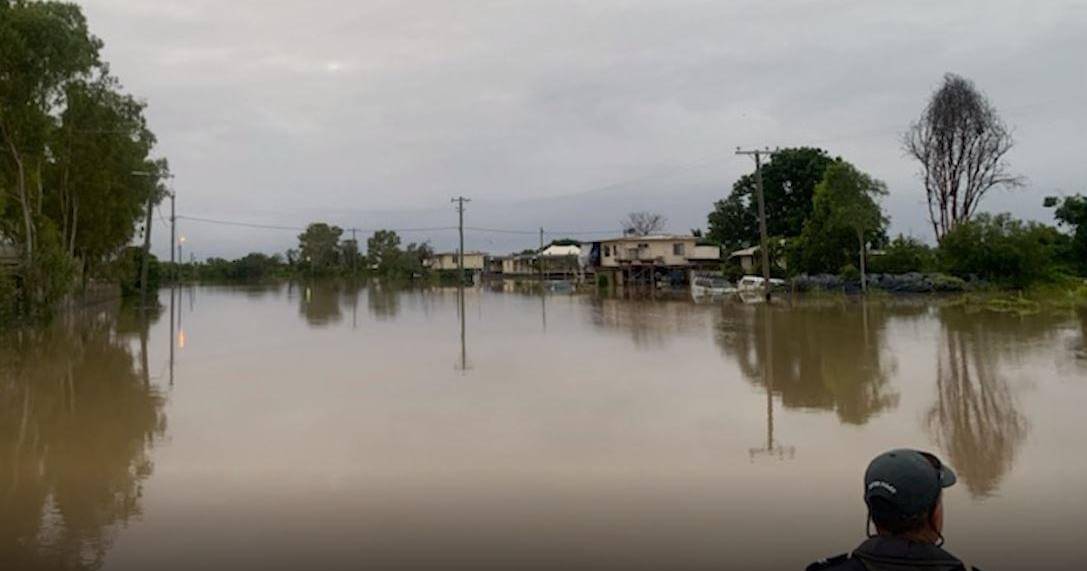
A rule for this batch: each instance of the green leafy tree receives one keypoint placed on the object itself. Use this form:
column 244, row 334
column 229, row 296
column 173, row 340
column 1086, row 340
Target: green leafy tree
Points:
column 319, row 248
column 414, row 258
column 850, row 200
column 789, row 182
column 846, row 218
column 43, row 47
column 101, row 139
column 1072, row 212
column 383, row 250
column 903, row 255
column 1002, row 249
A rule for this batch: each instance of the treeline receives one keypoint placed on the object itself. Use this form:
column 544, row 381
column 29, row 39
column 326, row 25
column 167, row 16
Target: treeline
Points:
column 322, row 252
column 76, row 171
column 824, row 216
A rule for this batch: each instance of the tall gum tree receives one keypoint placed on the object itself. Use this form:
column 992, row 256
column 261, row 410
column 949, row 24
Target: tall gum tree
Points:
column 961, row 143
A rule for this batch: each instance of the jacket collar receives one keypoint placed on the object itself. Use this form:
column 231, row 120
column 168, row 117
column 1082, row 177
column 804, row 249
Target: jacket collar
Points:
column 893, row 549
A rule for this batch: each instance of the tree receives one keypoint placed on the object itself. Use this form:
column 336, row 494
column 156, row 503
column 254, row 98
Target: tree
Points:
column 643, row 223
column 850, row 198
column 1002, row 249
column 383, row 250
column 789, row 181
column 43, row 46
column 903, row 255
column 961, row 143
column 102, row 137
column 415, row 256
column 319, row 247
column 1072, row 212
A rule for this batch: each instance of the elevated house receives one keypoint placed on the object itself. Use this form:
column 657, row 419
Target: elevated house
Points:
column 553, row 262
column 649, row 260
column 516, row 265
column 474, row 262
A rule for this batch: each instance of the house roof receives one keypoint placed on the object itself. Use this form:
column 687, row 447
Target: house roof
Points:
column 556, row 250
column 652, row 238
column 745, row 252
column 436, row 254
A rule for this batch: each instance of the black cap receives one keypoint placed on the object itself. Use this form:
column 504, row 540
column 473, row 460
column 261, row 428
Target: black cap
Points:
column 908, row 481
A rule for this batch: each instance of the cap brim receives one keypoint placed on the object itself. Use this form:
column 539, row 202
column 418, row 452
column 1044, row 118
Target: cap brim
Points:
column 947, row 477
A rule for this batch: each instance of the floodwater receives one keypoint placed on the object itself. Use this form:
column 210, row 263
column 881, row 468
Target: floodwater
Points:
column 323, row 426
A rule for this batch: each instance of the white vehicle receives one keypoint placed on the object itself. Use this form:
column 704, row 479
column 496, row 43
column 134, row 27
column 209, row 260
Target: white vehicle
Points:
column 710, row 286
column 754, row 283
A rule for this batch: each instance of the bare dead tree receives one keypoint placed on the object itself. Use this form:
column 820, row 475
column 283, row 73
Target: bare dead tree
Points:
column 960, row 142
column 643, row 223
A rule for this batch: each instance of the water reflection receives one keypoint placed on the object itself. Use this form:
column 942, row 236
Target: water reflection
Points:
column 77, row 422
column 822, row 356
column 383, row 301
column 975, row 420
column 1080, row 348
column 651, row 324
column 320, row 303
column 462, row 318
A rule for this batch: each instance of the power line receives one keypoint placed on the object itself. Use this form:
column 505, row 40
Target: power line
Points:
column 419, row 229
column 302, row 229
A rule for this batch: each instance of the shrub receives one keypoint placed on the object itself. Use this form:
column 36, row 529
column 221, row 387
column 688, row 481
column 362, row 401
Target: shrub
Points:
column 129, row 267
column 903, row 255
column 1002, row 249
column 850, row 273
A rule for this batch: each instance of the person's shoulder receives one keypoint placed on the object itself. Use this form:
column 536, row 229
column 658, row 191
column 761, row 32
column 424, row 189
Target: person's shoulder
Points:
column 841, row 562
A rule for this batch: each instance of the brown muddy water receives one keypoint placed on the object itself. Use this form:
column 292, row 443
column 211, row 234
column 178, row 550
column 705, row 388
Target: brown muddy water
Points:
column 330, row 427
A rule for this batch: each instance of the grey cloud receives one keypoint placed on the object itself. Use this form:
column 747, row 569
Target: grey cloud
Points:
column 279, row 112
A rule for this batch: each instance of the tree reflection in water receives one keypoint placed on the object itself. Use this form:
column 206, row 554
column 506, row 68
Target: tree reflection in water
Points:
column 77, row 423
column 975, row 420
column 823, row 356
column 1081, row 349
column 383, row 300
column 320, row 302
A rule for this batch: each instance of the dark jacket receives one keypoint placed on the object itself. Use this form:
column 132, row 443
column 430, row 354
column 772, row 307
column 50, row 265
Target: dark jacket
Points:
column 891, row 554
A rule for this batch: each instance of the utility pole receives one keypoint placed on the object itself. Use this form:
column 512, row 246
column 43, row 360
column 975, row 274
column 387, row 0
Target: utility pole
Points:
column 460, row 200
column 173, row 231
column 146, row 249
column 763, row 241
column 355, row 254
column 540, row 257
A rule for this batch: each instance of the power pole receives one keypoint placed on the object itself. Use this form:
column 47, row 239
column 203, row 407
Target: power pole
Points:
column 540, row 258
column 763, row 241
column 173, row 227
column 460, row 200
column 146, row 249
column 355, row 254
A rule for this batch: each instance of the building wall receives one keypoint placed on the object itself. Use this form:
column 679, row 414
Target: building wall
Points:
column 656, row 251
column 449, row 262
column 517, row 266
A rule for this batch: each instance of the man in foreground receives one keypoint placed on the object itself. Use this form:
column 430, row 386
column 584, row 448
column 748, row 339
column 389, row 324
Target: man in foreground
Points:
column 903, row 491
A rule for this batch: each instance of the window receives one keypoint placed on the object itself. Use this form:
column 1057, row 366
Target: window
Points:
column 679, row 249
column 607, row 251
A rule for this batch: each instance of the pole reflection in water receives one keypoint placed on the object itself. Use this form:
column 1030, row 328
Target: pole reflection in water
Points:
column 771, row 449
column 172, row 295
column 463, row 365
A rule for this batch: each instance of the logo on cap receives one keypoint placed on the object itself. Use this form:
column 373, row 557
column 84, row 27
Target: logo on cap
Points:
column 884, row 485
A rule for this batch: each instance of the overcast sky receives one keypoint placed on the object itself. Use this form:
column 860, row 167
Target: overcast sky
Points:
column 287, row 112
